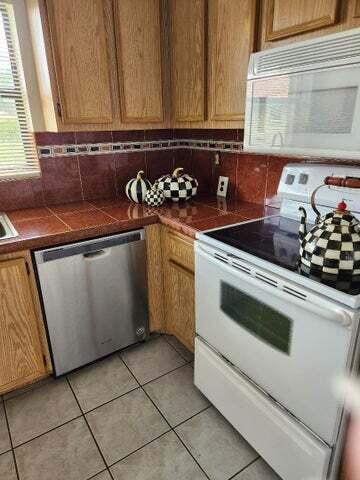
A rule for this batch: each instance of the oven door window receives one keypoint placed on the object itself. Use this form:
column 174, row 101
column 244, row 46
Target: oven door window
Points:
column 262, row 321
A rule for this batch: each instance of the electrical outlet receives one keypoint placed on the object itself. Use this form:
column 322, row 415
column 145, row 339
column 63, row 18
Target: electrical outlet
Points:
column 222, row 186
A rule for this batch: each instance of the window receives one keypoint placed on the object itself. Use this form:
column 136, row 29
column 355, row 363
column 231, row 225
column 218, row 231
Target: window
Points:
column 18, row 154
column 262, row 321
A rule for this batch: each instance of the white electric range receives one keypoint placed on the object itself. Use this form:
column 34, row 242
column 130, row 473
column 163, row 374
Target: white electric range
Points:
column 270, row 341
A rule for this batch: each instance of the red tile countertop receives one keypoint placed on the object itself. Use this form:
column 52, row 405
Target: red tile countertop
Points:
column 54, row 225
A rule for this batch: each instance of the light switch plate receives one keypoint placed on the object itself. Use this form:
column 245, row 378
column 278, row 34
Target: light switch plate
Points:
column 222, row 186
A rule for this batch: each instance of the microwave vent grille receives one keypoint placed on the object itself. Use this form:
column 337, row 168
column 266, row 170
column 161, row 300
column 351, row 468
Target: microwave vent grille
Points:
column 340, row 50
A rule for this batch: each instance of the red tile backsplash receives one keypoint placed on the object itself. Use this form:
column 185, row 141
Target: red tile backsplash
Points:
column 98, row 176
column 93, row 137
column 159, row 163
column 21, row 194
column 50, row 138
column 202, row 169
column 253, row 178
column 61, row 180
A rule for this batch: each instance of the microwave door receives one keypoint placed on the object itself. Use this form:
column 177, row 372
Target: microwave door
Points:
column 316, row 112
column 324, row 110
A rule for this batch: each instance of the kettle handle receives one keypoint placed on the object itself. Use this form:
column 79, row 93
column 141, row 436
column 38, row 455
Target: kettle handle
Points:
column 313, row 204
column 348, row 182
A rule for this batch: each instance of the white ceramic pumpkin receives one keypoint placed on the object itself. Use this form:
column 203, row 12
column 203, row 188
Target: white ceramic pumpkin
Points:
column 136, row 188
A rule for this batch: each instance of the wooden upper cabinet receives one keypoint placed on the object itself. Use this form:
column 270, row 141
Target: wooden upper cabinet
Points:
column 285, row 18
column 82, row 44
column 188, row 59
column 139, row 52
column 287, row 21
column 21, row 353
column 231, row 41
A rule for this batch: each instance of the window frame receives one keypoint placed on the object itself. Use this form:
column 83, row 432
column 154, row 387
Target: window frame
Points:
column 31, row 101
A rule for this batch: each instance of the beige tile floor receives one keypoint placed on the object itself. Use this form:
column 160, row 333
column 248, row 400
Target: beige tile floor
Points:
column 133, row 416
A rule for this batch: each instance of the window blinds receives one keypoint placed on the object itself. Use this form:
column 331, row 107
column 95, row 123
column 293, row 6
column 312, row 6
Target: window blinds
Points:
column 18, row 154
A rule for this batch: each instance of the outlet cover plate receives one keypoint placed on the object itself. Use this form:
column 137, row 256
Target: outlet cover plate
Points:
column 222, row 186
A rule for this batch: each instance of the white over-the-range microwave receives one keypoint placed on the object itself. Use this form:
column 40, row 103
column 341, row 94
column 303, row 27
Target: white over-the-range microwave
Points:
column 304, row 98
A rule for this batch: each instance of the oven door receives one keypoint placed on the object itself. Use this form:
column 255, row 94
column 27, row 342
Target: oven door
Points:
column 291, row 347
column 308, row 113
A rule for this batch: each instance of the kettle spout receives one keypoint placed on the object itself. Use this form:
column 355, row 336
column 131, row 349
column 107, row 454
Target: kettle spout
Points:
column 302, row 226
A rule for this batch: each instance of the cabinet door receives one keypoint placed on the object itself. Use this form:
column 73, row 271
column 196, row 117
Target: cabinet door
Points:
column 231, row 41
column 179, row 287
column 21, row 357
column 288, row 21
column 180, row 303
column 285, row 18
column 139, row 52
column 188, row 55
column 81, row 36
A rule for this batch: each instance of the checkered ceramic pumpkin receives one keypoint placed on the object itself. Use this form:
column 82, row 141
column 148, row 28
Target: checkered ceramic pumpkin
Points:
column 136, row 188
column 331, row 249
column 178, row 186
column 154, row 196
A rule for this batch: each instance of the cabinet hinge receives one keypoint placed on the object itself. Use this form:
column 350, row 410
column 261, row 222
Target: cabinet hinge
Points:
column 58, row 107
column 27, row 268
column 45, row 360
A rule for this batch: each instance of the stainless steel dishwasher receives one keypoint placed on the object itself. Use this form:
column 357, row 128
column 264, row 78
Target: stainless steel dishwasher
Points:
column 94, row 295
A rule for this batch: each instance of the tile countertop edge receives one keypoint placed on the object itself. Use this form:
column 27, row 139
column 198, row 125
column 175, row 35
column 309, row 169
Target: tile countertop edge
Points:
column 43, row 240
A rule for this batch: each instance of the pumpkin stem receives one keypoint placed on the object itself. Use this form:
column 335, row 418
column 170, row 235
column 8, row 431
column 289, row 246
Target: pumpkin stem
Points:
column 139, row 174
column 176, row 173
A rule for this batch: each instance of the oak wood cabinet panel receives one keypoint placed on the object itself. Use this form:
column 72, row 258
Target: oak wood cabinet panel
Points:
column 288, row 17
column 179, row 286
column 231, row 41
column 84, row 62
column 140, row 60
column 24, row 357
column 287, row 21
column 155, row 277
column 188, row 25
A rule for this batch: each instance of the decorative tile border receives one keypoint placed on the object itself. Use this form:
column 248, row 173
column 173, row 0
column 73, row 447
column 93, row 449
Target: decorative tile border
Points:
column 52, row 151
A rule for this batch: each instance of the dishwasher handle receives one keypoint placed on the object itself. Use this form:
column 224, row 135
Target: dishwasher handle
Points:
column 88, row 246
column 89, row 256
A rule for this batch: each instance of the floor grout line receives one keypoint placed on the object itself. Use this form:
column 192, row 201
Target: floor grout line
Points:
column 171, row 428
column 99, row 473
column 244, row 468
column 109, row 401
column 192, row 416
column 47, row 431
column 11, row 442
column 164, row 335
column 83, row 415
column 91, row 432
column 140, row 448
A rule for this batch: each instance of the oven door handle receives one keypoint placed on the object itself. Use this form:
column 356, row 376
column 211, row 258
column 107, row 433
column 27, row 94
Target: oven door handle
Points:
column 322, row 308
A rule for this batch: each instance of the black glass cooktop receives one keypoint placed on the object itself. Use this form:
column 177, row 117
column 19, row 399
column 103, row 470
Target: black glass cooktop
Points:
column 275, row 239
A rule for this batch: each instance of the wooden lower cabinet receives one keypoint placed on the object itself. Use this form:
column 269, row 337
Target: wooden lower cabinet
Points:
column 24, row 356
column 171, row 283
column 179, row 286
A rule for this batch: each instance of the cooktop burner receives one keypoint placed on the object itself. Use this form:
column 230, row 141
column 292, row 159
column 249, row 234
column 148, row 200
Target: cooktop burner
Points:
column 275, row 239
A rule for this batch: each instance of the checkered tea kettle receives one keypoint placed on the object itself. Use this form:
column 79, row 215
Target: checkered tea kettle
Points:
column 331, row 249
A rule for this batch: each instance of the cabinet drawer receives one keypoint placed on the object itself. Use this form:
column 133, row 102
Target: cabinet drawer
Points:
column 180, row 249
column 285, row 444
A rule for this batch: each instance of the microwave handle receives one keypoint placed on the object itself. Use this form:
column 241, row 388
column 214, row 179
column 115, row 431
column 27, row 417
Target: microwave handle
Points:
column 321, row 308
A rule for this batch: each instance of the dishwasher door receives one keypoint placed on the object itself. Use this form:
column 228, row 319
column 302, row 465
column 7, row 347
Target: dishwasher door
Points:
column 95, row 297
